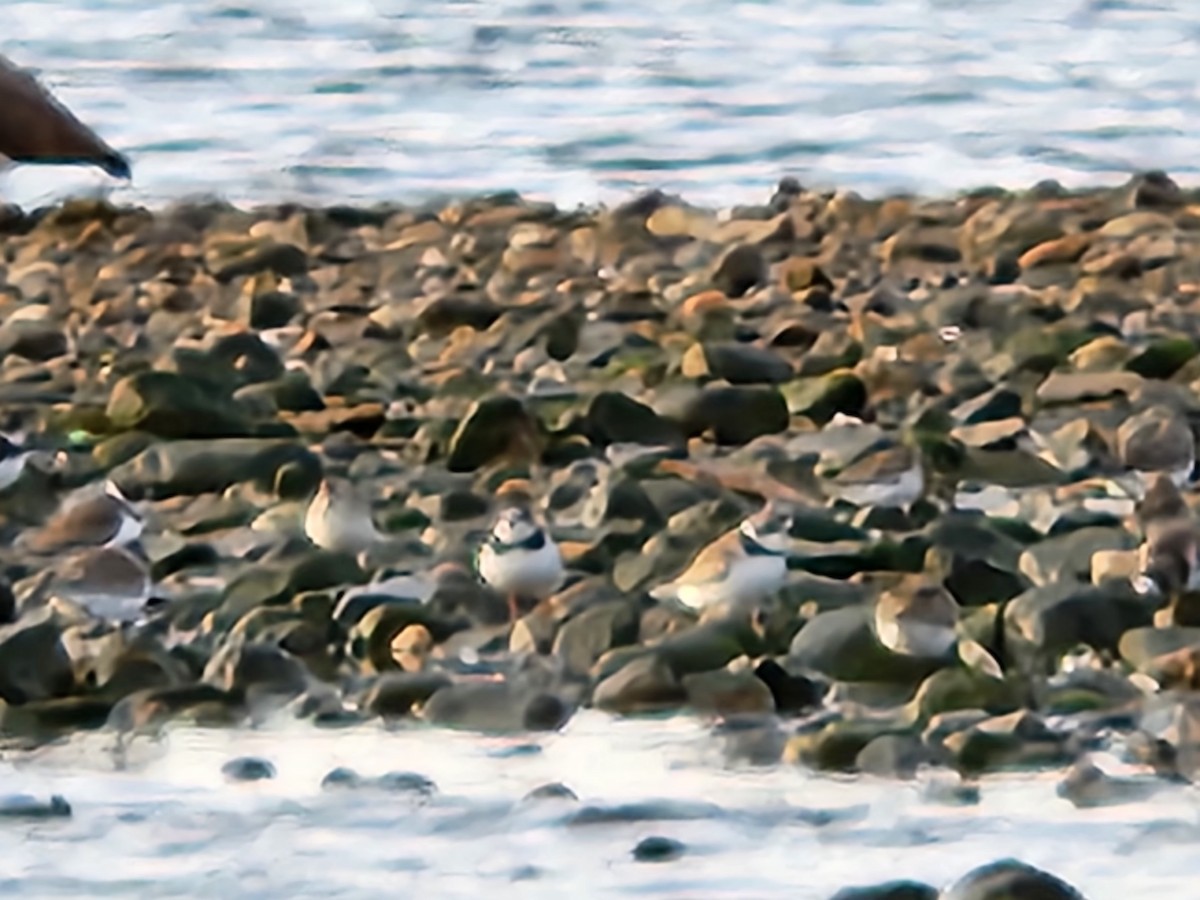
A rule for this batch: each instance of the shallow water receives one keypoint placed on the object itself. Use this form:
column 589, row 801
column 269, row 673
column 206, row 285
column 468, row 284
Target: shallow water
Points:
column 580, row 100
column 170, row 825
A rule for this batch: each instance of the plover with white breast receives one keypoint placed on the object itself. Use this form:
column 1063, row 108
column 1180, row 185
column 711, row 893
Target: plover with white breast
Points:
column 104, row 519
column 917, row 618
column 888, row 474
column 339, row 518
column 519, row 558
column 743, row 566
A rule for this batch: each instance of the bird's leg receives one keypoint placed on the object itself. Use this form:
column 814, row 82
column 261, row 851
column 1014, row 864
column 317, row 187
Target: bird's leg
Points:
column 514, row 611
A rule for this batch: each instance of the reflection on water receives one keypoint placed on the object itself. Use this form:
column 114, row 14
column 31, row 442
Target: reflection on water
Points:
column 587, row 99
column 171, row 825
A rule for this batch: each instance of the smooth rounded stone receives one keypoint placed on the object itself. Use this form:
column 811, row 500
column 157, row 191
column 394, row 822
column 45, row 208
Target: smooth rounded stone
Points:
column 823, row 397
column 169, row 405
column 264, row 668
column 1068, row 557
column 753, row 739
column 657, row 848
column 890, row 890
column 43, row 719
column 740, row 269
column 725, row 693
column 644, row 684
column 584, row 638
column 211, row 466
column 554, row 790
column 736, row 363
column 1049, row 620
column 372, row 640
column 1141, row 647
column 1018, row 740
column 396, row 694
column 835, row 746
column 341, row 778
column 497, row 707
column 248, row 768
column 270, row 583
column 841, row 644
column 1010, row 879
column 495, row 426
column 270, row 309
column 953, row 689
column 894, row 756
column 24, row 806
column 406, row 783
column 735, row 415
column 34, row 663
column 616, row 418
column 1087, row 786
column 653, row 810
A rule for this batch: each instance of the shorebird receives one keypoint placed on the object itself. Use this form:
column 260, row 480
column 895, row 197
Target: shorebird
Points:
column 742, row 566
column 103, row 520
column 917, row 619
column 519, row 558
column 112, row 582
column 888, row 474
column 339, row 518
column 13, row 457
column 1156, row 442
column 37, row 128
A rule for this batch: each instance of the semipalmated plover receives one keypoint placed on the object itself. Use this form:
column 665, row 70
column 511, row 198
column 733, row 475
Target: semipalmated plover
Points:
column 106, row 519
column 886, row 475
column 519, row 558
column 917, row 618
column 742, row 566
column 112, row 582
column 1157, row 441
column 339, row 518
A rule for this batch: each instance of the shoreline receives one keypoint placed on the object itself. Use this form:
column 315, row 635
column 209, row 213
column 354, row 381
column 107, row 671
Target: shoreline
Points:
column 957, row 402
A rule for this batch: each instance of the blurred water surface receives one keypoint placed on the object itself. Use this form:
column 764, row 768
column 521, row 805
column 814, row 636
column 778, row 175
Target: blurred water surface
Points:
column 585, row 100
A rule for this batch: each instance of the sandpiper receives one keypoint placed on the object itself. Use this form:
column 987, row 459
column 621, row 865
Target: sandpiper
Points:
column 742, row 566
column 112, row 582
column 103, row 520
column 888, row 474
column 1157, row 441
column 917, row 618
column 37, row 128
column 519, row 558
column 339, row 518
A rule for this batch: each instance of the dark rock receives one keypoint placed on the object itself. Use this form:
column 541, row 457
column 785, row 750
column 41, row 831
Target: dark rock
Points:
column 890, row 890
column 791, row 693
column 495, row 707
column 264, row 668
column 1086, row 786
column 34, row 664
column 741, row 269
column 406, row 783
column 552, row 791
column 745, row 364
column 584, row 638
column 724, row 693
column 493, row 428
column 644, row 684
column 172, row 406
column 395, row 695
column 248, row 768
column 735, row 415
column 1009, row 879
column 841, row 645
column 613, row 417
column 341, row 778
column 272, row 309
column 894, row 756
column 23, row 806
column 658, row 849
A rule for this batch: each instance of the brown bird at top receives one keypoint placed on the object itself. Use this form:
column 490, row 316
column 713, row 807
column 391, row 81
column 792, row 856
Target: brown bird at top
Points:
column 36, row 128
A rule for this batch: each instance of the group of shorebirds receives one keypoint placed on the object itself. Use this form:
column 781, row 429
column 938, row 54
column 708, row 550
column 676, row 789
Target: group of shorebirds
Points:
column 520, row 559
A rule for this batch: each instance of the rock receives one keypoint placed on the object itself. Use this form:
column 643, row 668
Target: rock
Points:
column 168, row 405
column 1007, row 879
column 263, row 668
column 584, row 638
column 496, row 427
column 790, row 693
column 644, row 684
column 1086, row 786
column 552, row 791
column 889, row 890
column 248, row 768
column 24, row 806
column 894, row 756
column 724, row 693
column 210, row 466
column 736, row 364
column 741, row 269
column 735, row 415
column 835, row 746
column 148, row 710
column 495, row 707
column 34, row 664
column 614, row 418
column 396, row 695
column 658, row 849
column 841, row 644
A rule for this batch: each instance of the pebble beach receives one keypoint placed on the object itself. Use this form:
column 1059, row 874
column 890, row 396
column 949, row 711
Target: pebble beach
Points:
column 646, row 376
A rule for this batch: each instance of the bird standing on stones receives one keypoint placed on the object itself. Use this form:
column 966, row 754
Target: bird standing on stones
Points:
column 339, row 519
column 744, row 565
column 36, row 128
column 917, row 620
column 107, row 519
column 519, row 558
column 887, row 475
